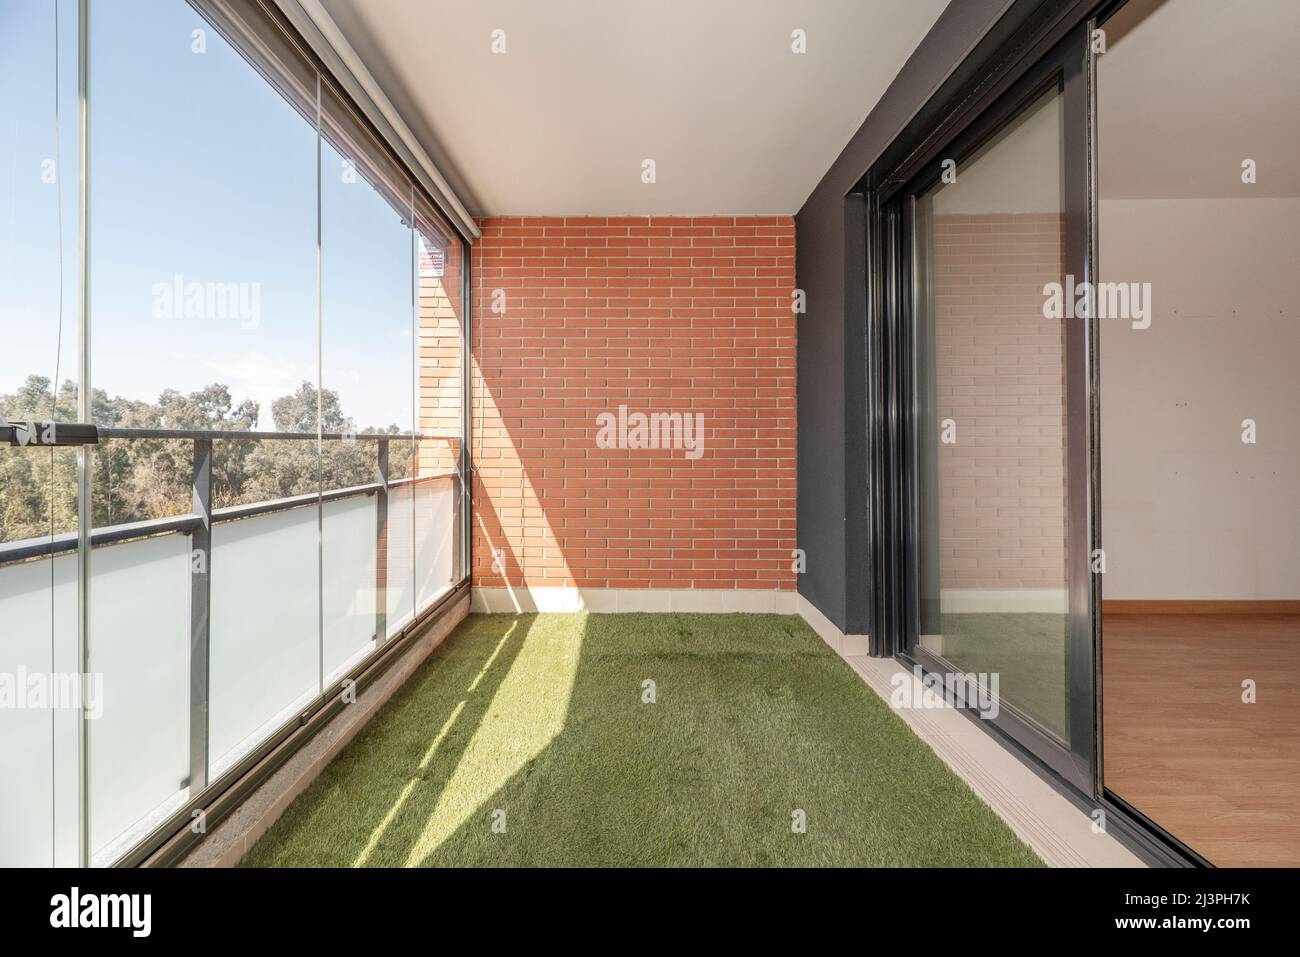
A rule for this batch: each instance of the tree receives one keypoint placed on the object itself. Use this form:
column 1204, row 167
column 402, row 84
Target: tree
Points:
column 209, row 408
column 297, row 412
column 141, row 478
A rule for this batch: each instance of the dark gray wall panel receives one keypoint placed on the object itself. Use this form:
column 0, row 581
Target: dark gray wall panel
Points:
column 820, row 498
column 832, row 442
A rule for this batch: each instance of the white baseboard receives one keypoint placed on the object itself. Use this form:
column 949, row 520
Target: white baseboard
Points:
column 500, row 599
column 957, row 601
column 618, row 600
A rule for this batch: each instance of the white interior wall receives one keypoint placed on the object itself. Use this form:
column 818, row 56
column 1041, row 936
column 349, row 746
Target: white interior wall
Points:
column 1188, row 510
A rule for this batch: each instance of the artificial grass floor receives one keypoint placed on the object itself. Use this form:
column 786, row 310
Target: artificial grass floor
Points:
column 537, row 723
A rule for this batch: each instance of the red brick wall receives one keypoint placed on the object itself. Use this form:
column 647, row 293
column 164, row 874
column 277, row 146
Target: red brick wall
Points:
column 441, row 402
column 440, row 358
column 661, row 314
column 999, row 374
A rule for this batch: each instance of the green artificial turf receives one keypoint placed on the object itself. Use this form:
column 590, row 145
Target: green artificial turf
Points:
column 538, row 722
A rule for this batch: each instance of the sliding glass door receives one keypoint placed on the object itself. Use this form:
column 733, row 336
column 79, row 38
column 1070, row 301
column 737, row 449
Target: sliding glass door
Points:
column 991, row 444
column 1198, row 233
column 990, row 380
column 1081, row 351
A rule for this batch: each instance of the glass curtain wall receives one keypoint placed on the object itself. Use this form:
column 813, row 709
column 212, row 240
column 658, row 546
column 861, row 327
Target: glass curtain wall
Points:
column 275, row 326
column 40, row 386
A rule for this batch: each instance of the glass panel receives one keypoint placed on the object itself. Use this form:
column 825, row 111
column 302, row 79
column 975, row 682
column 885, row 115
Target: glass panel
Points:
column 203, row 311
column 1198, row 238
column 349, row 567
column 265, row 628
column 38, row 602
column 247, row 274
column 38, row 229
column 399, row 540
column 991, row 418
column 40, row 668
column 203, row 237
column 440, row 313
column 436, row 511
column 139, row 747
column 367, row 343
column 134, row 480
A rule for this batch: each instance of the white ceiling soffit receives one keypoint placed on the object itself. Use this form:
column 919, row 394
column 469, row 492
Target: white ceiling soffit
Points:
column 586, row 91
column 324, row 37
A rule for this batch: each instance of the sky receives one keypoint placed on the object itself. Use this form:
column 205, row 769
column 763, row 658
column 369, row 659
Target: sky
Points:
column 198, row 169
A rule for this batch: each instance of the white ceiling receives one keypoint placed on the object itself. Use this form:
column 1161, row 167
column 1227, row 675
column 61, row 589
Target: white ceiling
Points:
column 588, row 89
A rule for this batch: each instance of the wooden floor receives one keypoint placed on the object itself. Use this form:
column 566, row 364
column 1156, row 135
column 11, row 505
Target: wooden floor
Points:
column 1182, row 747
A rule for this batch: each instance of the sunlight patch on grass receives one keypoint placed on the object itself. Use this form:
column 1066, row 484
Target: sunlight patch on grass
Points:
column 378, row 833
column 541, row 717
column 537, row 684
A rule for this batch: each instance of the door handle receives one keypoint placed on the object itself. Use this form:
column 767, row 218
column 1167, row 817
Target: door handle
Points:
column 27, row 434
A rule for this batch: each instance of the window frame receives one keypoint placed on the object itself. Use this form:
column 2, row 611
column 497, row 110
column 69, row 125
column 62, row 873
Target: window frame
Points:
column 987, row 90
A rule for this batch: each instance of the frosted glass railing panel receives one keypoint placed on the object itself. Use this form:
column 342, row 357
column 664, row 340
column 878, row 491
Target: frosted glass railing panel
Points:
column 265, row 632
column 400, row 558
column 138, row 747
column 28, row 746
column 435, row 521
column 270, row 624
column 348, row 572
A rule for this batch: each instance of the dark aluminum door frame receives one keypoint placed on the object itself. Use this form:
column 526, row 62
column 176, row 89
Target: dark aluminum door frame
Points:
column 989, row 94
column 891, row 260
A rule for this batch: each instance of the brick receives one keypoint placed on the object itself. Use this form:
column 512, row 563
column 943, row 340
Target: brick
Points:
column 661, row 314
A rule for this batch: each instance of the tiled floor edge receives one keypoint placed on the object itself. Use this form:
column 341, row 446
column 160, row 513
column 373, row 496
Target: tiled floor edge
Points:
column 1056, row 830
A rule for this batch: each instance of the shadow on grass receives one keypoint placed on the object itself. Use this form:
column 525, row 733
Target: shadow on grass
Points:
column 379, row 790
column 557, row 756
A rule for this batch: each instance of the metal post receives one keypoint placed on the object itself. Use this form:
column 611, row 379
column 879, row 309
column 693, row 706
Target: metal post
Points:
column 381, row 547
column 85, row 514
column 465, row 463
column 457, row 524
column 200, row 602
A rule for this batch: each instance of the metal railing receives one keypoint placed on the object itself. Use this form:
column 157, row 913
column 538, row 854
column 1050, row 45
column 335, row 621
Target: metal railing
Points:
column 199, row 522
column 49, row 545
